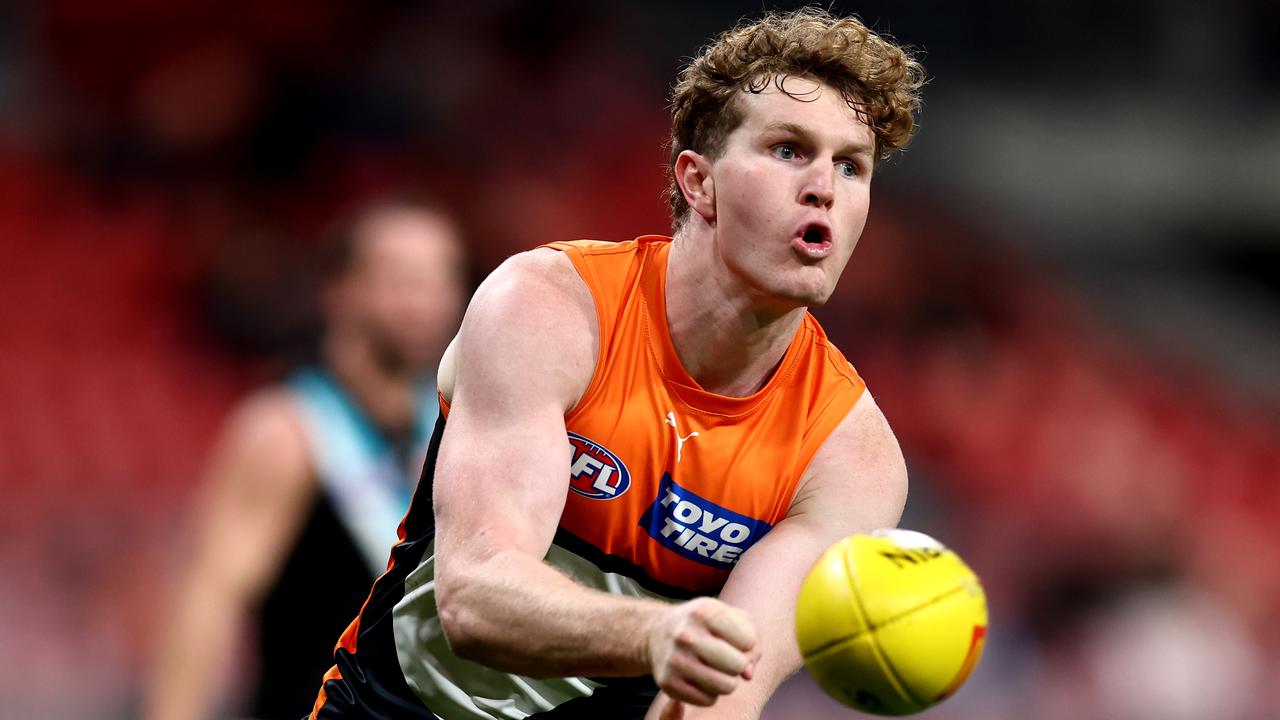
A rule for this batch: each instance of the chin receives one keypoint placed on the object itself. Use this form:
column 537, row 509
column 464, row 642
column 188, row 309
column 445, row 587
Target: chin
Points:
column 818, row 300
column 807, row 296
column 802, row 287
column 815, row 300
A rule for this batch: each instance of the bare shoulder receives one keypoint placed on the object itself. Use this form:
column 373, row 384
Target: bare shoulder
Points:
column 270, row 412
column 536, row 274
column 858, row 477
column 864, row 434
column 534, row 305
column 263, row 439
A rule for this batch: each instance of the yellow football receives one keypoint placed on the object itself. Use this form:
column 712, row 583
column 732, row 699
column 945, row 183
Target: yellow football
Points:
column 890, row 623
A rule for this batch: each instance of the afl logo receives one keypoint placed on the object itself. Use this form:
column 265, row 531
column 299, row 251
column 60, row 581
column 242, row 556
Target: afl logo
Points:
column 595, row 472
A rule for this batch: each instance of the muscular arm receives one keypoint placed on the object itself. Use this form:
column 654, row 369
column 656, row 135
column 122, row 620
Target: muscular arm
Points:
column 857, row 482
column 258, row 485
column 523, row 357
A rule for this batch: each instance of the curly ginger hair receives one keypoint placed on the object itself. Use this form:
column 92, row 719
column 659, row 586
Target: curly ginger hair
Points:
column 880, row 80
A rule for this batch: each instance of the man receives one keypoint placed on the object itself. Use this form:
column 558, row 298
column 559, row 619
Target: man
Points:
column 309, row 478
column 714, row 442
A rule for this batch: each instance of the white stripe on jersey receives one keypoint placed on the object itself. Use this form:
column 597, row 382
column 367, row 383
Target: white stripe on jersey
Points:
column 459, row 689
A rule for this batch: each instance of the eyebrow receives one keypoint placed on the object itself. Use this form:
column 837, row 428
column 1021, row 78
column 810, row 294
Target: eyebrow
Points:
column 853, row 148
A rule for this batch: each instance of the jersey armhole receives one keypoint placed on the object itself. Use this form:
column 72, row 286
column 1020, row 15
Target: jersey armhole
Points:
column 825, row 421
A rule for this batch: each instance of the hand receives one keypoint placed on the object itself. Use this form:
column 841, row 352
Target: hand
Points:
column 700, row 650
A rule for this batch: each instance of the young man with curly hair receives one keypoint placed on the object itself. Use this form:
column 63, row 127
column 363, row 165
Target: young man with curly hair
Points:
column 713, row 441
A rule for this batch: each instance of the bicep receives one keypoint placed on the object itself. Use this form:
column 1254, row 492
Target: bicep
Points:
column 258, row 487
column 492, row 486
column 522, row 358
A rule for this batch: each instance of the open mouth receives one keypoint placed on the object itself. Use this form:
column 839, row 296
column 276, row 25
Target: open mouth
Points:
column 813, row 241
column 816, row 235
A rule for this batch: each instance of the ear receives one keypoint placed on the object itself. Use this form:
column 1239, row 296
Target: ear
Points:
column 693, row 174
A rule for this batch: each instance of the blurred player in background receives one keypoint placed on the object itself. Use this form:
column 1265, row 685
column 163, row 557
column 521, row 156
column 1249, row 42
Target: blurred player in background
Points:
column 310, row 477
column 712, row 440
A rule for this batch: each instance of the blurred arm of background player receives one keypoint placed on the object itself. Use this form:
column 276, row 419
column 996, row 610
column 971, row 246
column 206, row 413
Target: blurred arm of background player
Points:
column 259, row 486
column 856, row 482
column 525, row 354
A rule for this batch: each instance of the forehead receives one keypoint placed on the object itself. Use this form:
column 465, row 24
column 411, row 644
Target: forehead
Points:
column 815, row 106
column 398, row 236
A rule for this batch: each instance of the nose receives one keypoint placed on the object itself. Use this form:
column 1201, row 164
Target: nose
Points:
column 818, row 189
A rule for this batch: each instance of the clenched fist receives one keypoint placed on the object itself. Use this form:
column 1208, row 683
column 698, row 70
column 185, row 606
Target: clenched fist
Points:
column 701, row 649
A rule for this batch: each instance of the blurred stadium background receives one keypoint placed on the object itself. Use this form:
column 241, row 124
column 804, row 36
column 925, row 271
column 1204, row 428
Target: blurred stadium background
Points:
column 1066, row 301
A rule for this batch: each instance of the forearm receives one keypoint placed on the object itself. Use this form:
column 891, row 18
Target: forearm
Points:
column 515, row 613
column 727, row 707
column 189, row 669
column 745, row 703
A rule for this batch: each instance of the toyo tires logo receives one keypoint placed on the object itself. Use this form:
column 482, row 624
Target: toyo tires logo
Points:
column 699, row 529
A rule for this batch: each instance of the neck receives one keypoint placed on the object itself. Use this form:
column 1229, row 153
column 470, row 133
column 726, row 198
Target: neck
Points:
column 729, row 338
column 387, row 394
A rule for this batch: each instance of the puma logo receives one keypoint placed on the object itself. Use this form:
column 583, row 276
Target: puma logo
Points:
column 680, row 441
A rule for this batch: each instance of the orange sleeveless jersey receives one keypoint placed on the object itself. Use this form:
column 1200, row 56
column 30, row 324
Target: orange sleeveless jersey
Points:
column 668, row 486
column 666, row 476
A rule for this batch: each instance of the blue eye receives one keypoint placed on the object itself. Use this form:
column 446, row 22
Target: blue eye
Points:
column 847, row 168
column 785, row 152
